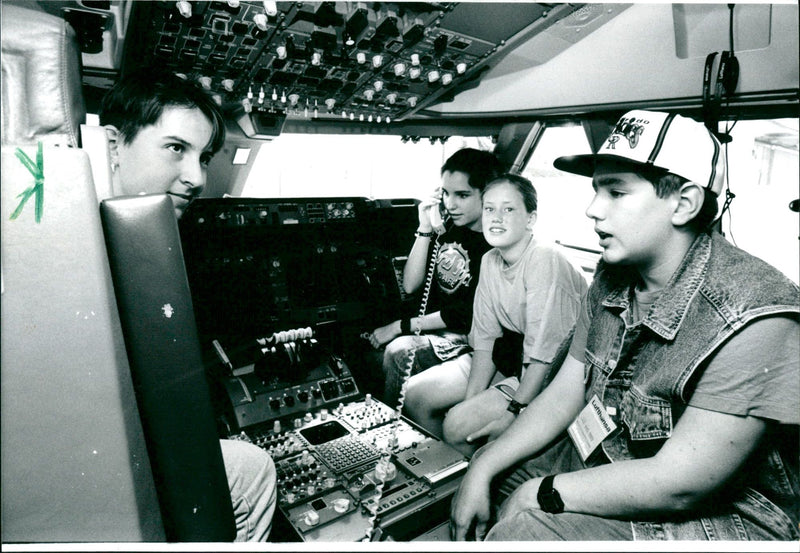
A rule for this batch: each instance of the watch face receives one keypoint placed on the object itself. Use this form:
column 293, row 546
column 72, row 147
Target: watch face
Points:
column 552, row 502
column 549, row 498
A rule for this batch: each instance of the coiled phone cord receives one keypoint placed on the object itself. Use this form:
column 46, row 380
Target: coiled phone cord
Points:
column 383, row 464
column 426, row 292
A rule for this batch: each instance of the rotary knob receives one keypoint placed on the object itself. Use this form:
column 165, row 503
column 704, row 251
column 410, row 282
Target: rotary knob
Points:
column 311, row 518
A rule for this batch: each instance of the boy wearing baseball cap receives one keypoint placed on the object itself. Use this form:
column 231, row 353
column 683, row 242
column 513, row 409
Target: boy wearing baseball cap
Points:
column 675, row 414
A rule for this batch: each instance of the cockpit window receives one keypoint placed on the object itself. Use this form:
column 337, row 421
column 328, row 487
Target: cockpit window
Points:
column 763, row 176
column 563, row 197
column 372, row 166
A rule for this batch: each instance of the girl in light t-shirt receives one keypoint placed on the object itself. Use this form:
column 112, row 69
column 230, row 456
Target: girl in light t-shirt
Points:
column 525, row 289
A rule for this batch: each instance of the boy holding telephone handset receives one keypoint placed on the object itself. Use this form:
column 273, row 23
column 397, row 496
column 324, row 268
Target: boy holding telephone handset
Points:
column 458, row 251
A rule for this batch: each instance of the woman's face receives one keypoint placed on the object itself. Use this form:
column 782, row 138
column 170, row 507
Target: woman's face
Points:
column 463, row 202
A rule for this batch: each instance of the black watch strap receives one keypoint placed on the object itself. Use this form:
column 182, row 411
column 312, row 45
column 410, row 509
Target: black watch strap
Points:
column 548, row 497
column 515, row 407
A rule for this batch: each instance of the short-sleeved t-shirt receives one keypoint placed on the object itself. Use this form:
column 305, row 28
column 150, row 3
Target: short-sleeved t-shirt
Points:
column 756, row 373
column 458, row 262
column 538, row 296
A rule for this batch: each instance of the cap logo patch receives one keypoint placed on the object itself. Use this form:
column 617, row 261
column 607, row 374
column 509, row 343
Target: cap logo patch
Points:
column 656, row 143
column 630, row 128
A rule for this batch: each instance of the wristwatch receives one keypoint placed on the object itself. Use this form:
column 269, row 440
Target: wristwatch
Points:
column 548, row 497
column 515, row 407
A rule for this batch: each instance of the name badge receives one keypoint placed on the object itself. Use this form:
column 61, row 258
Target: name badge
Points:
column 590, row 427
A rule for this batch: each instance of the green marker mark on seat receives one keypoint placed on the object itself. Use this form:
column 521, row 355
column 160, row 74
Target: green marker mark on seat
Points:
column 37, row 170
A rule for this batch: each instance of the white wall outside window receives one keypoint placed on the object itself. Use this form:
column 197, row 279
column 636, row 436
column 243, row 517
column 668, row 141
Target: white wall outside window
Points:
column 765, row 177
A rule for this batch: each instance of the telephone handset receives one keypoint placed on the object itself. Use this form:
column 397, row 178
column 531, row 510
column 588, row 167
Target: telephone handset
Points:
column 439, row 216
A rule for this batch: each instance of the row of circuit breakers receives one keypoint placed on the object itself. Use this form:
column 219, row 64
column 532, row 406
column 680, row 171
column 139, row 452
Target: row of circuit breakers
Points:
column 363, row 61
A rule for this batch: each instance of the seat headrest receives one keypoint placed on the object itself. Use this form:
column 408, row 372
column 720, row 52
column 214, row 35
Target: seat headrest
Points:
column 42, row 97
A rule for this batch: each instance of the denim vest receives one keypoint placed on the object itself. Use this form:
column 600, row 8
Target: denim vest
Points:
column 642, row 373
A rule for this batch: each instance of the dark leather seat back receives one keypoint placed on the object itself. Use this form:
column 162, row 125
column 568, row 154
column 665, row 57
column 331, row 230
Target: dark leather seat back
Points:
column 155, row 307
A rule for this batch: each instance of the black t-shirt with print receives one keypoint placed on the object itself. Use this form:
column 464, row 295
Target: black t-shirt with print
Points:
column 457, row 268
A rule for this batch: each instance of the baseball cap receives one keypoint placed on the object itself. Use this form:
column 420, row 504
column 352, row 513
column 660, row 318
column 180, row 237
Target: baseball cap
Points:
column 658, row 141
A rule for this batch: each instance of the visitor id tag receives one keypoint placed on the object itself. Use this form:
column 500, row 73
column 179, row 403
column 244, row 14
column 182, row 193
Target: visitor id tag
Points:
column 590, row 427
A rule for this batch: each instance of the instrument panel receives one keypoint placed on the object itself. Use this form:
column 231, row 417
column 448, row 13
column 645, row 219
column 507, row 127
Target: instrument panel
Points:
column 257, row 265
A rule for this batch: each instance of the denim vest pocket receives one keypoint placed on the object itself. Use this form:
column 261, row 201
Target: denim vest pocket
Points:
column 646, row 417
